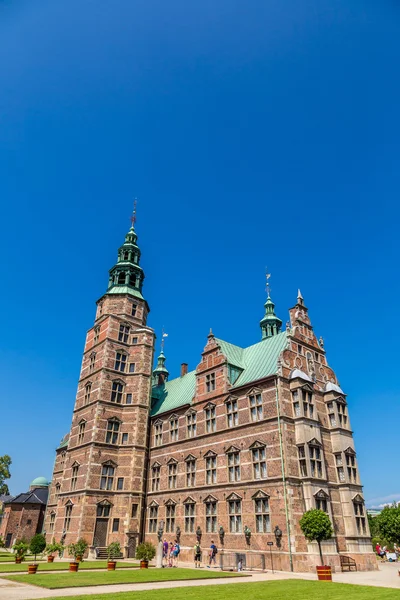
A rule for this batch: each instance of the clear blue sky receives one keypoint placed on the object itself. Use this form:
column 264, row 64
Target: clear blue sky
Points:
column 255, row 133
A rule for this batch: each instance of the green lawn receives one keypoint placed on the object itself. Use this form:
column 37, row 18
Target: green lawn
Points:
column 63, row 566
column 65, row 580
column 294, row 589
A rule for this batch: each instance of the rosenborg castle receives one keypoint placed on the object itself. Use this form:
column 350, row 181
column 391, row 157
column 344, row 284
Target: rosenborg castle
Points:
column 233, row 451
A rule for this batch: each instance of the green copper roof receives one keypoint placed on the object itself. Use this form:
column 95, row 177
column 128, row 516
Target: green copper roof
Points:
column 64, row 442
column 40, row 481
column 124, row 289
column 256, row 362
column 173, row 394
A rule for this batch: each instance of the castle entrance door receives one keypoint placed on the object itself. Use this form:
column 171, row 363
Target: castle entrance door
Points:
column 100, row 533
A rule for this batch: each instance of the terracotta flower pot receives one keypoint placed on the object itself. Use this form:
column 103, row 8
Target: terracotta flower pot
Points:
column 111, row 564
column 50, row 558
column 73, row 567
column 32, row 569
column 18, row 561
column 144, row 564
column 324, row 573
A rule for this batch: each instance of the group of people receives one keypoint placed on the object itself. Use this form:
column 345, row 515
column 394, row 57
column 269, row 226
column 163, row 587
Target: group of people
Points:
column 212, row 555
column 171, row 553
column 383, row 551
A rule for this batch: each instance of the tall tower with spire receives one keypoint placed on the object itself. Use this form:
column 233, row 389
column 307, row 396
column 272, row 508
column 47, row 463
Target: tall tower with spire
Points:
column 98, row 483
column 270, row 324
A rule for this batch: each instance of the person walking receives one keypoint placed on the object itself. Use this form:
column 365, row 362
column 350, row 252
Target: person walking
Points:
column 212, row 555
column 197, row 555
column 165, row 548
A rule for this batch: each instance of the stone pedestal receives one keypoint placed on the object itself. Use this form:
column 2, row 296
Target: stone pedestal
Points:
column 159, row 555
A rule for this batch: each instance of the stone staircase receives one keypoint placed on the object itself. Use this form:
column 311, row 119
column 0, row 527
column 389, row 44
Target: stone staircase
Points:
column 101, row 553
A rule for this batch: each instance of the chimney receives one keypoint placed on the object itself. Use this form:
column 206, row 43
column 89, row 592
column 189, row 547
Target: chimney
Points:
column 184, row 369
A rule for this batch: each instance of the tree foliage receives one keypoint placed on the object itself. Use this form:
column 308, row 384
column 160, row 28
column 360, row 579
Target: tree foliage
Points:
column 316, row 526
column 388, row 522
column 37, row 544
column 145, row 551
column 5, row 462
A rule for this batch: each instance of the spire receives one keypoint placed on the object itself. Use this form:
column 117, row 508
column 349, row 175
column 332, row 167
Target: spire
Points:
column 300, row 299
column 270, row 324
column 126, row 276
column 160, row 373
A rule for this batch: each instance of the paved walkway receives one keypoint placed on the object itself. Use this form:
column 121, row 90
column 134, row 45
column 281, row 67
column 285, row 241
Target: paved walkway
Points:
column 387, row 576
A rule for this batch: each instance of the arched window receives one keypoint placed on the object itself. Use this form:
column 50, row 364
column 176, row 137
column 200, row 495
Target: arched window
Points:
column 121, row 278
column 132, row 280
column 117, row 391
column 120, row 361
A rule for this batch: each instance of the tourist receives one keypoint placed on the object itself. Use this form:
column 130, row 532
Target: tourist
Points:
column 197, row 555
column 165, row 552
column 175, row 553
column 212, row 555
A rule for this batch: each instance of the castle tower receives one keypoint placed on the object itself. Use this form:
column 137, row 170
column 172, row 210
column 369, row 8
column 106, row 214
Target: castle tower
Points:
column 98, row 487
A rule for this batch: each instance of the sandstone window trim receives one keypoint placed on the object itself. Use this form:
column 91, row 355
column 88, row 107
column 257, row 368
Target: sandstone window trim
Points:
column 170, row 514
column 211, row 512
column 68, row 515
column 52, row 520
column 74, row 475
column 211, row 467
column 57, row 491
column 134, row 309
column 321, row 501
column 233, row 459
column 210, row 382
column 103, row 509
column 315, row 457
column 210, row 417
column 113, row 431
column 123, row 333
column 155, row 477
column 303, row 402
column 262, row 512
column 351, row 465
column 158, row 432
column 81, row 431
column 115, row 525
column 92, row 361
column 190, row 514
column 153, row 517
column 117, row 391
column 121, row 359
column 172, row 473
column 174, row 428
column 107, row 475
column 337, row 413
column 190, row 470
column 232, row 412
column 360, row 515
column 191, row 424
column 256, row 406
column 96, row 334
column 88, row 391
column 259, row 460
column 235, row 513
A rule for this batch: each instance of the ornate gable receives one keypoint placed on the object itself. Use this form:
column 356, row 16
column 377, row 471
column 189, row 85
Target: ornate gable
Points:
column 190, row 457
column 314, row 442
column 109, row 463
column 321, row 494
column 173, row 416
column 153, row 504
column 189, row 500
column 257, row 444
column 75, row 464
column 104, row 502
column 231, row 398
column 350, row 450
column 209, row 405
column 234, row 496
column 155, row 465
column 260, row 494
column 254, row 391
column 209, row 454
column 358, row 499
column 232, row 449
column 170, row 502
column 172, row 461
column 210, row 498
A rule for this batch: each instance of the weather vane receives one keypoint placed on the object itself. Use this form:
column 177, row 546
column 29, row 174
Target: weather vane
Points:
column 133, row 217
column 267, row 277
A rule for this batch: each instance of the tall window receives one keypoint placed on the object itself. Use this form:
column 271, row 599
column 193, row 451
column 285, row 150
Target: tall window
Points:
column 120, row 361
column 134, row 309
column 210, row 382
column 232, row 413
column 155, row 477
column 88, row 391
column 92, row 361
column 339, row 467
column 173, row 429
column 170, row 518
column 103, row 510
column 81, row 434
column 308, row 408
column 189, row 517
column 52, row 521
column 191, row 419
column 234, row 465
column 235, row 516
column 263, row 523
column 74, row 477
column 321, row 502
column 191, row 472
column 123, row 335
column 211, row 470
column 96, row 334
column 107, row 477
column 259, row 463
column 315, row 461
column 67, row 518
column 211, row 516
column 112, row 431
column 331, row 414
column 153, row 515
column 211, row 421
column 360, row 517
column 296, row 404
column 117, row 391
column 158, row 433
column 256, row 407
column 302, row 461
column 342, row 413
column 115, row 526
column 351, row 467
column 172, row 475
column 58, row 489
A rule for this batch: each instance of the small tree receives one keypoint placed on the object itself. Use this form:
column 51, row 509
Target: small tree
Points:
column 145, row 551
column 53, row 548
column 78, row 549
column 316, row 526
column 2, row 543
column 21, row 548
column 388, row 522
column 114, row 550
column 37, row 544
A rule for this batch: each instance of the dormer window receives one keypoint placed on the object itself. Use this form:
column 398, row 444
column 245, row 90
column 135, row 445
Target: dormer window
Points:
column 303, row 405
column 210, row 382
column 308, row 407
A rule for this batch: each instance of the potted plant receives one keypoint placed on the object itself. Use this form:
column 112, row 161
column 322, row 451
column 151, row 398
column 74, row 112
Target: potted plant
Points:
column 113, row 552
column 145, row 552
column 20, row 549
column 52, row 549
column 316, row 526
column 36, row 546
column 77, row 550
